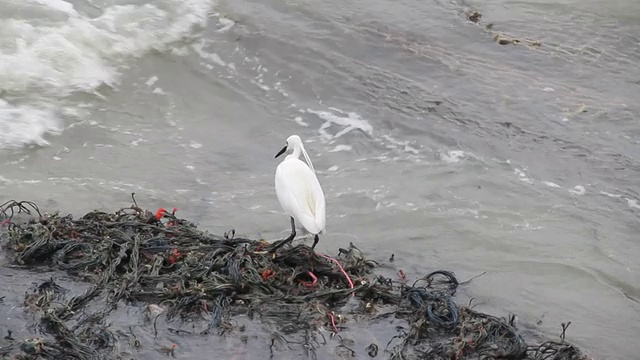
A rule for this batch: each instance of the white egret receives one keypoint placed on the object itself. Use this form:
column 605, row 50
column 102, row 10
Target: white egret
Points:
column 299, row 191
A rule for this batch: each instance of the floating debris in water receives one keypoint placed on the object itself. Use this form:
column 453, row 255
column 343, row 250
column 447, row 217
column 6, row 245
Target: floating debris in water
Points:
column 499, row 37
column 474, row 16
column 180, row 272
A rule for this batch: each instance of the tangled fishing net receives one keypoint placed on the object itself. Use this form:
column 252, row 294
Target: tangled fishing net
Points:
column 133, row 256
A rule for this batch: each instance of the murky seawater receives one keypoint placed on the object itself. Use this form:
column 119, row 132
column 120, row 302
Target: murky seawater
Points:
column 431, row 140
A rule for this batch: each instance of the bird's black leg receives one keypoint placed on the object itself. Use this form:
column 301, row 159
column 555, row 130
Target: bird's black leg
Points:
column 315, row 242
column 289, row 239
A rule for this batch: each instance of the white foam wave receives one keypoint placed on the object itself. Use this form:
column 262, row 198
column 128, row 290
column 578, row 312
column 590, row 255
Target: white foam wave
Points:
column 453, row 156
column 152, row 81
column 199, row 48
column 615, row 196
column 402, row 145
column 226, row 24
column 45, row 59
column 22, row 125
column 633, row 203
column 300, row 122
column 522, row 176
column 341, row 148
column 578, row 190
column 58, row 5
column 352, row 121
column 551, row 184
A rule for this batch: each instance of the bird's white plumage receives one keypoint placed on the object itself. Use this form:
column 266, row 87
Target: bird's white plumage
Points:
column 298, row 189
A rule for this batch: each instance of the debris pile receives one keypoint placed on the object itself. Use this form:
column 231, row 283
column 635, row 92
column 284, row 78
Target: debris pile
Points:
column 498, row 36
column 167, row 264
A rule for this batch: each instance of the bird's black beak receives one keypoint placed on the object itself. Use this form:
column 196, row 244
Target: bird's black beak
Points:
column 281, row 151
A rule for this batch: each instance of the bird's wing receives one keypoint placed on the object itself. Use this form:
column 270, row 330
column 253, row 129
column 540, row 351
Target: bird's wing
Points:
column 300, row 194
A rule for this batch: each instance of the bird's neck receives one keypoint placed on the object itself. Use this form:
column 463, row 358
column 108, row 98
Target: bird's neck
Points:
column 295, row 154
